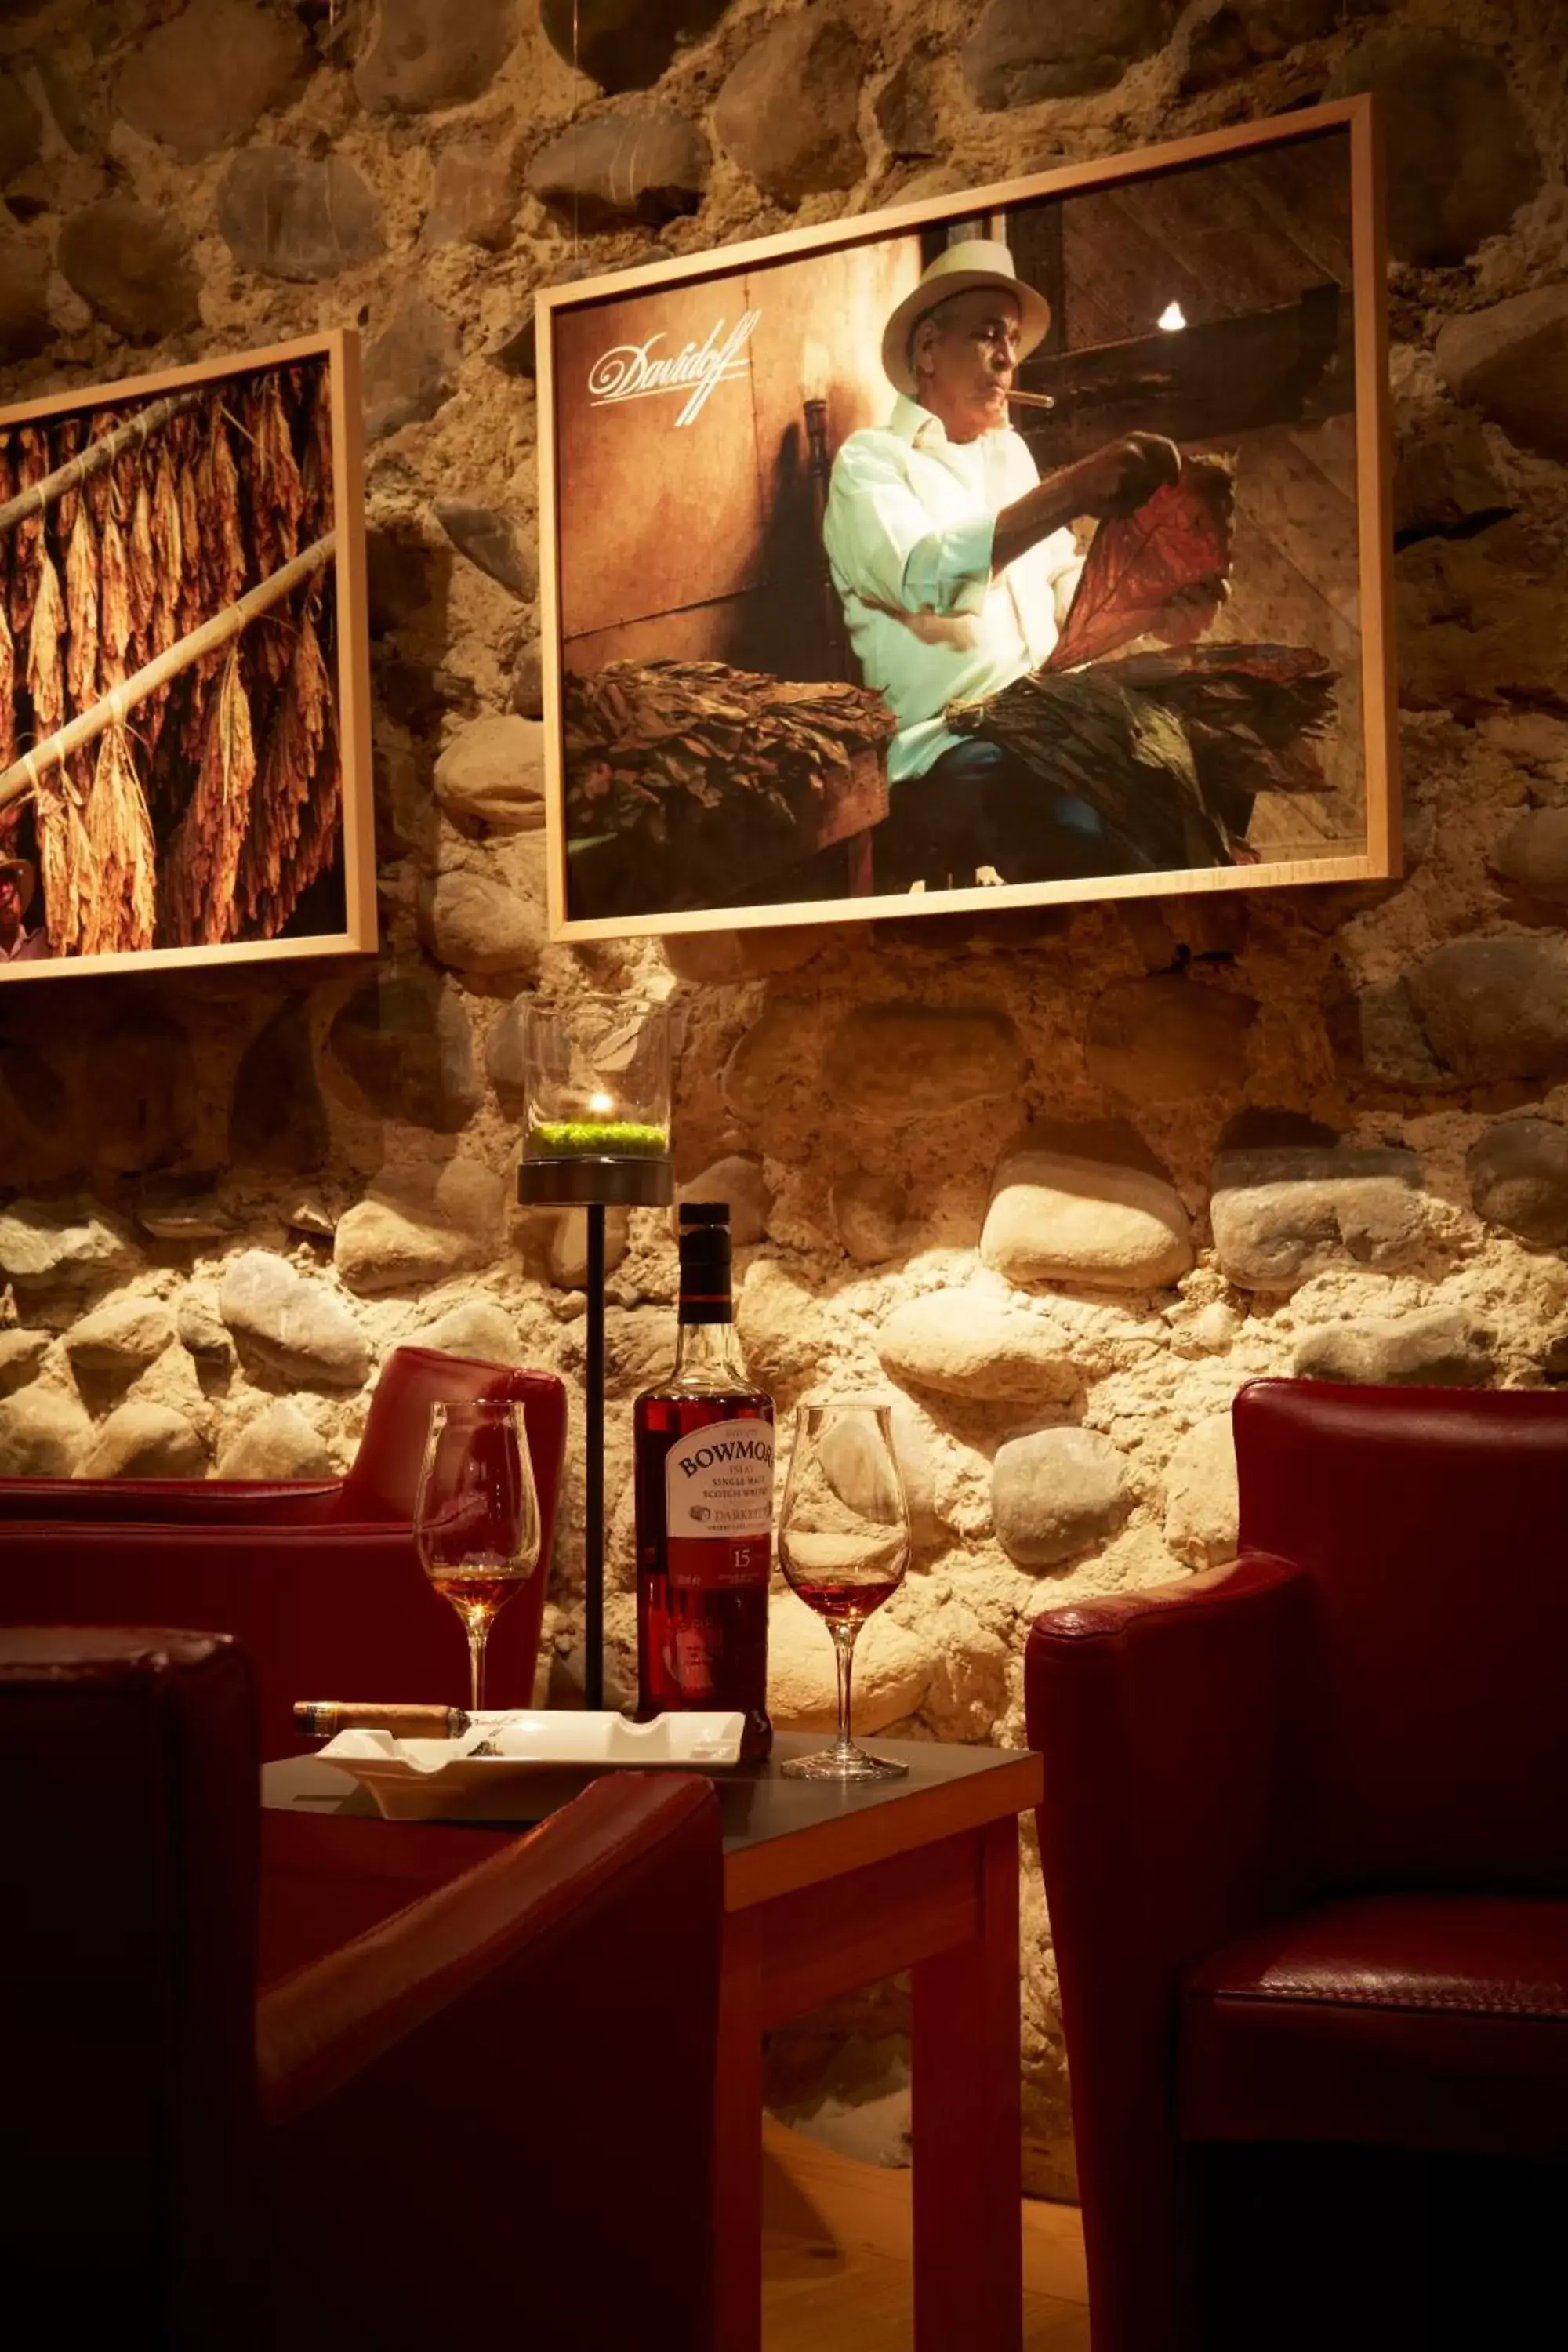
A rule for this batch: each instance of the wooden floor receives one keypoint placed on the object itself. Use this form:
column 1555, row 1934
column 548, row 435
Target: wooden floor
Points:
column 835, row 2257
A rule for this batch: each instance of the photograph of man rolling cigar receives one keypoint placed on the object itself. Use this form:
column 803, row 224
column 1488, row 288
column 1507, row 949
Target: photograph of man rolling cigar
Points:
column 1022, row 553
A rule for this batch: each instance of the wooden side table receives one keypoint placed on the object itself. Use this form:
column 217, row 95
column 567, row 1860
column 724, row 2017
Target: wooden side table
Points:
column 825, row 1890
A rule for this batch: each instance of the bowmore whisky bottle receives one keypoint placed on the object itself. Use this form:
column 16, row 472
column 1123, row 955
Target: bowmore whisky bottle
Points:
column 703, row 1467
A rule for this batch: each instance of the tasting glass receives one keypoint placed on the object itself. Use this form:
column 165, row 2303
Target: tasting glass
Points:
column 844, row 1546
column 476, row 1517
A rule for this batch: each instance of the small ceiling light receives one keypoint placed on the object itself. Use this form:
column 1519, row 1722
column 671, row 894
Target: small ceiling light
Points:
column 1172, row 317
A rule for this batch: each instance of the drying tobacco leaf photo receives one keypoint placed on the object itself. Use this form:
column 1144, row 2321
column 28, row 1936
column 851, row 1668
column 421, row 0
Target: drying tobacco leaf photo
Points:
column 170, row 767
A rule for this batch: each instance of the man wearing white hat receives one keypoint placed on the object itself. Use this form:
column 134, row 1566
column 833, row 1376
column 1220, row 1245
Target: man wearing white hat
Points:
column 955, row 563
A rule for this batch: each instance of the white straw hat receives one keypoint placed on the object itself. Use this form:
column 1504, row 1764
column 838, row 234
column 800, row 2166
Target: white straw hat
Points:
column 958, row 270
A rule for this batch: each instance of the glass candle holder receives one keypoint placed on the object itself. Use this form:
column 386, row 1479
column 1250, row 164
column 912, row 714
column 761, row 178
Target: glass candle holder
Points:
column 596, row 1086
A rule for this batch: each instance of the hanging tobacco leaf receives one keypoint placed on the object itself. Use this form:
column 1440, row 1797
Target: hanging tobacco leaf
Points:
column 68, row 436
column 1157, row 572
column 168, row 552
column 221, row 539
column 46, row 666
column 120, row 835
column 192, row 608
column 66, row 865
column 143, row 582
column 81, row 611
column 202, row 865
column 278, row 861
column 8, row 643
column 319, row 515
column 7, row 692
column 98, row 489
column 114, row 626
column 276, row 492
column 27, row 541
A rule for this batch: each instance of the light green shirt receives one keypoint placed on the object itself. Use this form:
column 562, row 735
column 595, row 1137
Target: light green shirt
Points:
column 910, row 521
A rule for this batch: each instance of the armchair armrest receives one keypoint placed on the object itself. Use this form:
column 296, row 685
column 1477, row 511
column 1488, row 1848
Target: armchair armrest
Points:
column 1161, row 1718
column 517, row 2069
column 322, row 2026
column 1166, row 1720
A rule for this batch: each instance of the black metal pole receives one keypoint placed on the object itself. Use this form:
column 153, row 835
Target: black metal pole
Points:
column 595, row 1183
column 593, row 1486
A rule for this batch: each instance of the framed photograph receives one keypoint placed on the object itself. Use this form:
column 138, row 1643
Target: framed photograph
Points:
column 184, row 669
column 1032, row 544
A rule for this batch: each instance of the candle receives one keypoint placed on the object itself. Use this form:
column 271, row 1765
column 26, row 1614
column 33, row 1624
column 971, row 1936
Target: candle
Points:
column 597, row 1082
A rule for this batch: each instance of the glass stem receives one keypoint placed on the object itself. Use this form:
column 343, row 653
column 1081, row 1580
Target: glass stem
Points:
column 477, row 1633
column 843, row 1640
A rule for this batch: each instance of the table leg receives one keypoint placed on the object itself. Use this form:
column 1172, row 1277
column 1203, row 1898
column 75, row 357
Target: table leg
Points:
column 738, row 2142
column 967, row 2129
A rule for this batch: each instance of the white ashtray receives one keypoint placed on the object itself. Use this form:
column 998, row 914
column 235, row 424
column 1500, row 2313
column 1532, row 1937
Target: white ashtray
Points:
column 430, row 1780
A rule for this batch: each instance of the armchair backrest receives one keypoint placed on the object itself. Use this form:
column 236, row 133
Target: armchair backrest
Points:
column 384, row 1479
column 127, row 1978
column 1432, row 1525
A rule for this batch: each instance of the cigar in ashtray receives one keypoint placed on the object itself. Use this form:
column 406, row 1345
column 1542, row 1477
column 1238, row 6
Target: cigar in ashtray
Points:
column 1032, row 399
column 324, row 1718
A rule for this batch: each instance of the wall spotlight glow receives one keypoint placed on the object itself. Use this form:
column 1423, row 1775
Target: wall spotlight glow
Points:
column 1172, row 317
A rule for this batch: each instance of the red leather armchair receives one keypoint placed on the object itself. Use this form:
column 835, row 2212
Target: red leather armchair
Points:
column 489, row 2117
column 1305, row 1842
column 322, row 1582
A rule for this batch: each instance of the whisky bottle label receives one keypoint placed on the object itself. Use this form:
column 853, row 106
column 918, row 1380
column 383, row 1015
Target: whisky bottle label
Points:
column 719, row 1501
column 719, row 1480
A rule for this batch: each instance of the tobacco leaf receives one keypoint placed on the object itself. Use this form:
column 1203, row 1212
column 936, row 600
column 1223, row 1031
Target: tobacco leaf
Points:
column 313, row 397
column 98, row 490
column 120, row 833
column 168, row 552
column 223, row 566
column 202, row 864
column 81, row 611
column 283, row 847
column 142, row 582
column 68, row 868
column 8, row 491
column 114, row 626
column 69, row 435
column 46, row 667
column 1170, row 748
column 1158, row 571
column 276, row 491
column 188, row 503
column 7, row 692
column 27, row 543
column 652, row 746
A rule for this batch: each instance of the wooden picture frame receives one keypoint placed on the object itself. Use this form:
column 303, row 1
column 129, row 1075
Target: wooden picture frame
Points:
column 185, row 775
column 662, row 545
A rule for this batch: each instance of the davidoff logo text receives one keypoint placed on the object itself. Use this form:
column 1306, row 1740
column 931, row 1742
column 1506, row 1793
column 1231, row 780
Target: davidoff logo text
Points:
column 729, row 1449
column 631, row 371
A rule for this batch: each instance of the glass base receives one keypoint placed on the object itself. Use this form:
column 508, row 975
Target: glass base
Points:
column 847, row 1763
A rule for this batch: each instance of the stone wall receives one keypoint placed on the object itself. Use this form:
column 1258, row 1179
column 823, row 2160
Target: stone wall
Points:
column 1061, row 1181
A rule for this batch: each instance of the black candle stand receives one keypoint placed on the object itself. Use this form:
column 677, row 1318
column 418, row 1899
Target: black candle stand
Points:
column 594, row 1182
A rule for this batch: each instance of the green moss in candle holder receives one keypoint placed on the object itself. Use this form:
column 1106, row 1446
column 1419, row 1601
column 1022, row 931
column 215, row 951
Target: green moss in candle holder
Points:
column 604, row 1139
